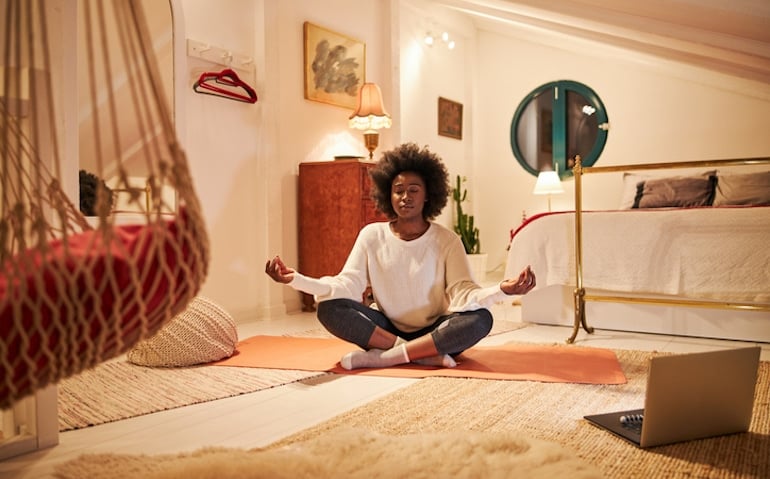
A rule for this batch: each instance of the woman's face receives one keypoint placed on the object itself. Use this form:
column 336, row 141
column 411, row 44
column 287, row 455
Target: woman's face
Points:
column 408, row 195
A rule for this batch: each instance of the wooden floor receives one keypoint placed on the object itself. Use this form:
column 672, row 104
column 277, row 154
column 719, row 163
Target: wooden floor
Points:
column 260, row 418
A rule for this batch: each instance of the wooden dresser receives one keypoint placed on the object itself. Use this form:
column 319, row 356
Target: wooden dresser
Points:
column 334, row 204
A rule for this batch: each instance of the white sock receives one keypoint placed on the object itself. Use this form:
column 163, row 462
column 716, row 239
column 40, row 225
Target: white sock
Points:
column 375, row 358
column 441, row 361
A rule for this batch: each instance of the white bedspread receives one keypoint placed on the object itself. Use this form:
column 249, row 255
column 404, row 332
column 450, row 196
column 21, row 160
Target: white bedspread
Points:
column 709, row 253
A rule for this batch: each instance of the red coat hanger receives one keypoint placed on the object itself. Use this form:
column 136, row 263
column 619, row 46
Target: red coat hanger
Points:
column 225, row 84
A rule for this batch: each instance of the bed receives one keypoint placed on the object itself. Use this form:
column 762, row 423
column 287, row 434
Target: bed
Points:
column 684, row 255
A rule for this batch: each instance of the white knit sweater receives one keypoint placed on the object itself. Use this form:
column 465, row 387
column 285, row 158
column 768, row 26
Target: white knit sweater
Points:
column 413, row 282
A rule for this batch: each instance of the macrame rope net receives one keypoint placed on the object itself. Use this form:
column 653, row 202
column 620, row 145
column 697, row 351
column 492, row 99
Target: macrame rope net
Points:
column 71, row 294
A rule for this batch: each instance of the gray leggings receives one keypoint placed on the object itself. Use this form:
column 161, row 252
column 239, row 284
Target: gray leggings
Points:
column 354, row 322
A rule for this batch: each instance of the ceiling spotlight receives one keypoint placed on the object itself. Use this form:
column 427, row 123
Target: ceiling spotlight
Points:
column 429, row 39
column 445, row 36
column 451, row 45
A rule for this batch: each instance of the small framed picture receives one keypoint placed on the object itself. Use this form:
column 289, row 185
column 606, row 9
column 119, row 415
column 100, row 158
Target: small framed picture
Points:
column 450, row 118
column 335, row 66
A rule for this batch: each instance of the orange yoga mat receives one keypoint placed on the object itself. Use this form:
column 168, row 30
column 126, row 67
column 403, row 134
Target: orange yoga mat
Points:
column 568, row 364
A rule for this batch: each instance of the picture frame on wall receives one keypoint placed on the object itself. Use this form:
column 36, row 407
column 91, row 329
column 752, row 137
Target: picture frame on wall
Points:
column 335, row 66
column 450, row 118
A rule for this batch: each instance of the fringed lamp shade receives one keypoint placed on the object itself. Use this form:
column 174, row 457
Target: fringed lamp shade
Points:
column 370, row 116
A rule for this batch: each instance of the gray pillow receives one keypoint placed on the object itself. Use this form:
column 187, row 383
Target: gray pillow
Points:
column 743, row 189
column 678, row 191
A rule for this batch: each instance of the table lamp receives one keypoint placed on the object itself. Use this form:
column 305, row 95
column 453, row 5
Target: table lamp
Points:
column 370, row 116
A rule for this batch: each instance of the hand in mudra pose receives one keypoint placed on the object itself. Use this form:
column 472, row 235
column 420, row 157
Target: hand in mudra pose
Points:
column 523, row 285
column 276, row 269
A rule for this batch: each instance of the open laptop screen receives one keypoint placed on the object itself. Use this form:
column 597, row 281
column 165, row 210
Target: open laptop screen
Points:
column 691, row 396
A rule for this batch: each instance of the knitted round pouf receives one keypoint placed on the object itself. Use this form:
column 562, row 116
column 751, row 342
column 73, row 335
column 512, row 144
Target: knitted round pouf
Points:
column 202, row 333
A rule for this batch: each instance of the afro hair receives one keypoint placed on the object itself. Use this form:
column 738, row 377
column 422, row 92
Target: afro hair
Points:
column 426, row 164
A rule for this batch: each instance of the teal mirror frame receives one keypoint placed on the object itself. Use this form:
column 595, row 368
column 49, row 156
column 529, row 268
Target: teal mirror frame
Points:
column 557, row 143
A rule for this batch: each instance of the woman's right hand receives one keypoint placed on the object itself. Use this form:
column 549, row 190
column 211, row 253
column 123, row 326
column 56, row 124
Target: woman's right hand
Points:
column 523, row 285
column 276, row 269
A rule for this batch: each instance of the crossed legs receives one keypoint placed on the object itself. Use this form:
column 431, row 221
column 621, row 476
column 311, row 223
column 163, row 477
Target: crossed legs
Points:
column 384, row 345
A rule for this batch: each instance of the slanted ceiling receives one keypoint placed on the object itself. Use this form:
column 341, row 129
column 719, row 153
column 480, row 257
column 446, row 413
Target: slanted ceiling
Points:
column 727, row 36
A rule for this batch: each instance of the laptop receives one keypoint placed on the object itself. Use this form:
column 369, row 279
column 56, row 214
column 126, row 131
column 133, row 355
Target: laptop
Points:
column 690, row 396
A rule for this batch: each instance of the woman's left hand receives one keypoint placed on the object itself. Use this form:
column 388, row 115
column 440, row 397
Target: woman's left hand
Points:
column 276, row 269
column 523, row 285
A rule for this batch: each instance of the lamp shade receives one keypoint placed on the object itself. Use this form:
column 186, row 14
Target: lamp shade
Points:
column 548, row 182
column 370, row 113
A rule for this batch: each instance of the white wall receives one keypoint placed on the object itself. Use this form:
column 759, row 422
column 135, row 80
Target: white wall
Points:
column 223, row 153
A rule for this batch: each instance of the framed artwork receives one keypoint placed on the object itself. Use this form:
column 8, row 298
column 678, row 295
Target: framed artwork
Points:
column 450, row 118
column 335, row 66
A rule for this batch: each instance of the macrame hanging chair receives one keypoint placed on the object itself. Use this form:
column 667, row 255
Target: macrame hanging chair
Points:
column 71, row 294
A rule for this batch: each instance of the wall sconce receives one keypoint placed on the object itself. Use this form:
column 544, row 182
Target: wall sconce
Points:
column 430, row 40
column 370, row 116
column 450, row 44
column 548, row 183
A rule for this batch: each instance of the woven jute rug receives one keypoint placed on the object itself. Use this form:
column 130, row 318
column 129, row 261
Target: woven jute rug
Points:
column 118, row 390
column 554, row 412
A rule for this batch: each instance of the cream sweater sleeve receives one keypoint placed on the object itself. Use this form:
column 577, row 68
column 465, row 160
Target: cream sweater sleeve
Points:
column 309, row 285
column 463, row 292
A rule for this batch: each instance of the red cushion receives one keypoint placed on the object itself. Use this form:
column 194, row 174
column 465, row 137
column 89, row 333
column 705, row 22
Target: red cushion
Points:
column 87, row 316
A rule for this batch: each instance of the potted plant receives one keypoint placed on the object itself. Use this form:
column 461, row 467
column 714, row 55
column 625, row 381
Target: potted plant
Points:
column 469, row 233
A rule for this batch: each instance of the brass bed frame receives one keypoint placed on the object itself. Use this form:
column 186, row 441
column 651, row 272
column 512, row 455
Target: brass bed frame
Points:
column 580, row 296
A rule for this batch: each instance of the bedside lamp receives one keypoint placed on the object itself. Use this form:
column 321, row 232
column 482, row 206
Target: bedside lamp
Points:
column 370, row 116
column 548, row 183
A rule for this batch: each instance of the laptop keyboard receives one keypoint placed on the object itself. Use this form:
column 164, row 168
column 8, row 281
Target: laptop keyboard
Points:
column 632, row 422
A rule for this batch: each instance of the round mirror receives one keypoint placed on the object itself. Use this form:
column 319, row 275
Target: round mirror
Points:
column 555, row 123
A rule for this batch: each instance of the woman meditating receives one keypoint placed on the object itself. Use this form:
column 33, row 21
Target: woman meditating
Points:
column 427, row 308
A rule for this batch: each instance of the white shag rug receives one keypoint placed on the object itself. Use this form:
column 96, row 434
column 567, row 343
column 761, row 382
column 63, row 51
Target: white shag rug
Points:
column 352, row 454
